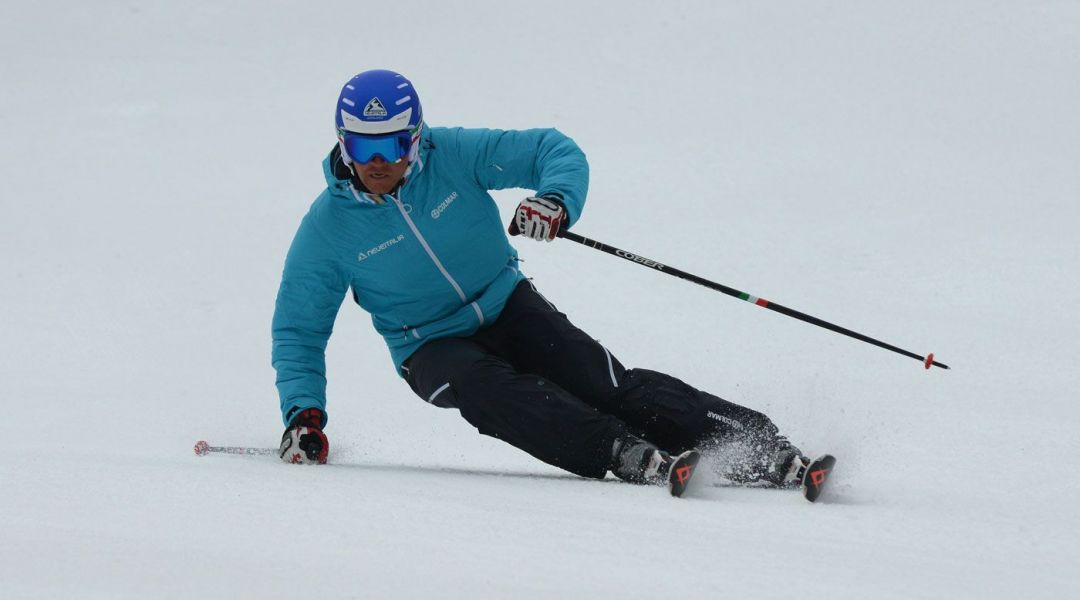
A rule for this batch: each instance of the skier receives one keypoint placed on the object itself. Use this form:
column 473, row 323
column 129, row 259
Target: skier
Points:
column 406, row 223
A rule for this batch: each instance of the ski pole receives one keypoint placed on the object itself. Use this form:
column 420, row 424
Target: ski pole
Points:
column 202, row 449
column 927, row 361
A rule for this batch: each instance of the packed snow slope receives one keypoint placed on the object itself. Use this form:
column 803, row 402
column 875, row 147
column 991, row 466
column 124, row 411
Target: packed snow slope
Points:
column 908, row 170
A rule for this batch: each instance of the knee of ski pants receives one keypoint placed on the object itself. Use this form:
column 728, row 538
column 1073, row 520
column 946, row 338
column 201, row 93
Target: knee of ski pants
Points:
column 454, row 376
column 485, row 378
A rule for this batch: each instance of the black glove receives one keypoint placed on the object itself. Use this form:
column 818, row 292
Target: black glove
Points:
column 304, row 441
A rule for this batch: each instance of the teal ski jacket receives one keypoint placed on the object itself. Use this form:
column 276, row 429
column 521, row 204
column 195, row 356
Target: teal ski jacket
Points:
column 431, row 260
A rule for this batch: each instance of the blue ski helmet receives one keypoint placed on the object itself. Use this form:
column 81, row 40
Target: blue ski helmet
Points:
column 378, row 114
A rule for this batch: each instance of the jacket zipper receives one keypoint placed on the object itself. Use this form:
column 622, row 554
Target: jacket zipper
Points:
column 435, row 259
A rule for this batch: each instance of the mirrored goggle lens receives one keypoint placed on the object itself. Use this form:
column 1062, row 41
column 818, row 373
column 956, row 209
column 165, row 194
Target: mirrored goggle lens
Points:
column 391, row 147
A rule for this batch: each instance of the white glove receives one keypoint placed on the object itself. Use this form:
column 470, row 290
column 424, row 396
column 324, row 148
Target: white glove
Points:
column 304, row 441
column 538, row 218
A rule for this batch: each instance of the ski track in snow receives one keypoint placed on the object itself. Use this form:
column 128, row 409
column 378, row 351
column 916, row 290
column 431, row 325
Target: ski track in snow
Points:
column 907, row 171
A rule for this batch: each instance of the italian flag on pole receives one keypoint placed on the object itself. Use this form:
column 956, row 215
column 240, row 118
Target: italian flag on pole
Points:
column 754, row 299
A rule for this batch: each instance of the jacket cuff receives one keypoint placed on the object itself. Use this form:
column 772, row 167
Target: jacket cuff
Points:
column 301, row 404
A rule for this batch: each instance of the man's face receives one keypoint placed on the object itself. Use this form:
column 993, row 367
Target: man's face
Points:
column 379, row 176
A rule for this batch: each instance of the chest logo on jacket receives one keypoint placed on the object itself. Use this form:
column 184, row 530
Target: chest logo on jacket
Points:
column 445, row 204
column 366, row 254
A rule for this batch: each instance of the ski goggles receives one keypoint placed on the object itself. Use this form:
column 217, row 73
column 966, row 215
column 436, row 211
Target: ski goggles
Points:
column 391, row 147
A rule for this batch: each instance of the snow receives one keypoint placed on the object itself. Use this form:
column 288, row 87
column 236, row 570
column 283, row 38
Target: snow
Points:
column 907, row 170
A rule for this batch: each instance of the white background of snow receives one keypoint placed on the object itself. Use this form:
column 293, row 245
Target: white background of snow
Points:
column 909, row 170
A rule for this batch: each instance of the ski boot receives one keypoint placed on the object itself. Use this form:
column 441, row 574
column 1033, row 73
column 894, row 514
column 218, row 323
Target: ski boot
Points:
column 773, row 464
column 637, row 461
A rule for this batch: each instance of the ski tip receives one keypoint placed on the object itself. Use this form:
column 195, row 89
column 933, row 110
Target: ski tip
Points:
column 817, row 475
column 201, row 448
column 682, row 471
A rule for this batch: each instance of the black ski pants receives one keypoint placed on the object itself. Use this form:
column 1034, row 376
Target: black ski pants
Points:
column 537, row 382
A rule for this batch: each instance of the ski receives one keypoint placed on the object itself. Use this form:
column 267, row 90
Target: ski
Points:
column 816, row 475
column 810, row 480
column 681, row 471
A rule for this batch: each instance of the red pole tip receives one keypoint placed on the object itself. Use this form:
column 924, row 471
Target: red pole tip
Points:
column 201, row 448
column 929, row 360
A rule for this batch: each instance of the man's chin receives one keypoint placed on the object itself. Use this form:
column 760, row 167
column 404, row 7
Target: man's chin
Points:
column 378, row 186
